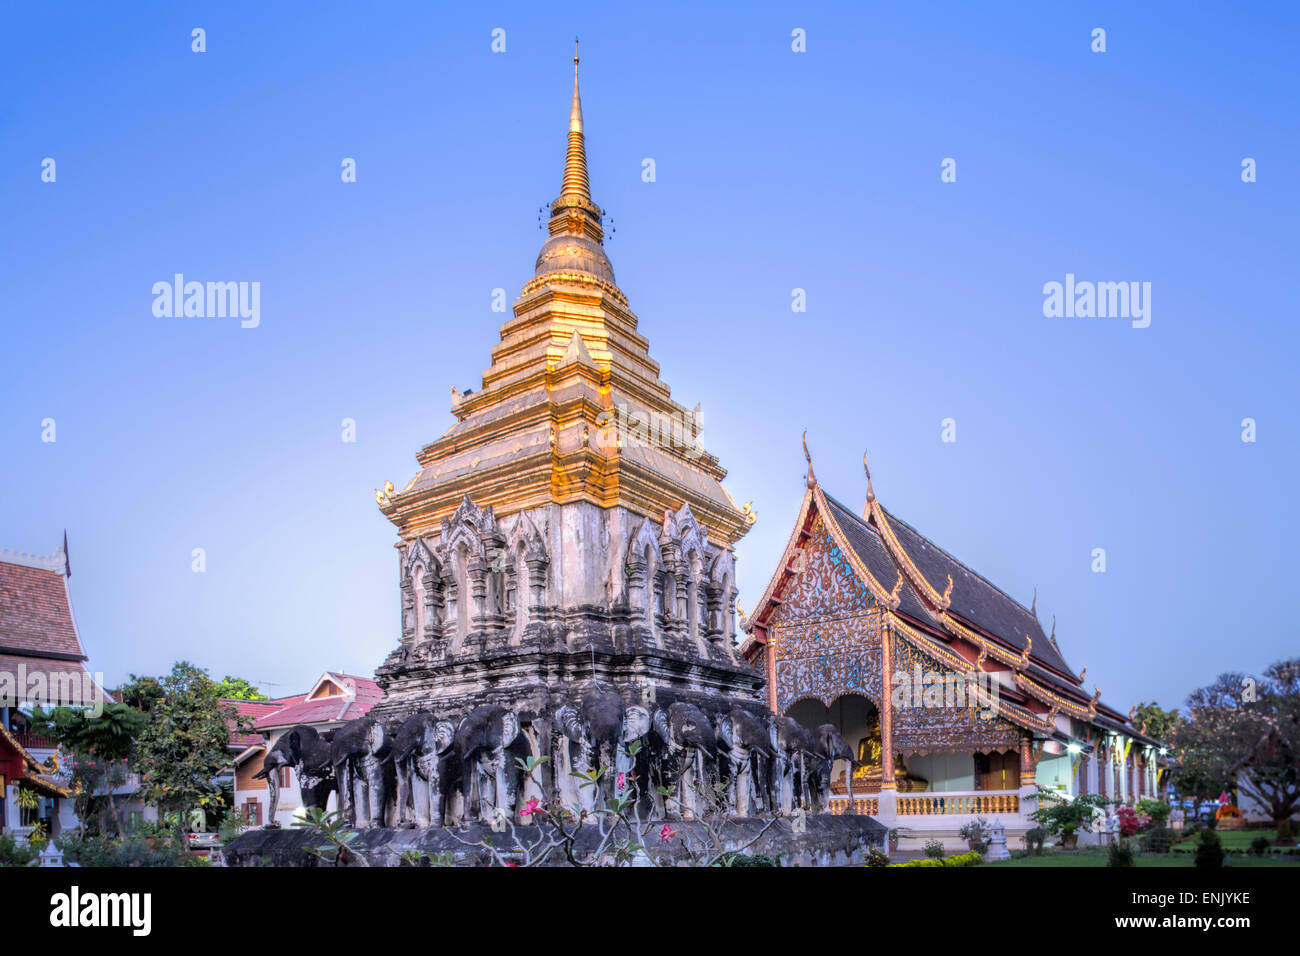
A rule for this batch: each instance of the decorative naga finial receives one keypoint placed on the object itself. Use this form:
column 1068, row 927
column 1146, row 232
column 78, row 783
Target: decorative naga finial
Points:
column 1033, row 605
column 383, row 497
column 747, row 509
column 1053, row 634
column 984, row 655
column 898, row 587
column 1024, row 655
column 871, row 492
column 812, row 479
column 1082, row 674
column 947, row 593
column 741, row 611
column 1132, row 711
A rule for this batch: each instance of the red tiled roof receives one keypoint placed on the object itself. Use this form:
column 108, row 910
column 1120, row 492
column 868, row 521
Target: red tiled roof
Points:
column 365, row 694
column 34, row 613
column 255, row 710
column 58, row 676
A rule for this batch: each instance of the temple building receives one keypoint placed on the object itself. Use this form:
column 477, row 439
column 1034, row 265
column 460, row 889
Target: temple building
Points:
column 569, row 527
column 957, row 702
column 42, row 664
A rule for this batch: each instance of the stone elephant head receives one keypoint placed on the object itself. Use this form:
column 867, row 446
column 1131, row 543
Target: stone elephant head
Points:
column 599, row 727
column 832, row 747
column 684, row 751
column 797, row 762
column 361, row 754
column 745, row 754
column 487, row 745
column 426, row 769
column 307, row 753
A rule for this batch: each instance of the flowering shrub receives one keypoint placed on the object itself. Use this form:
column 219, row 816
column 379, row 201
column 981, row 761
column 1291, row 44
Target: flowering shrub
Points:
column 966, row 859
column 1130, row 821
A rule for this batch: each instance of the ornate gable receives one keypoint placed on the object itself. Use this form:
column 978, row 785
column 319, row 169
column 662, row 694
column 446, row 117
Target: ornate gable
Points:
column 825, row 634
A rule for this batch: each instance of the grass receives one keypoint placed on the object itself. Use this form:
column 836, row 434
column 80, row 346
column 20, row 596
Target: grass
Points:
column 1098, row 857
column 1233, row 841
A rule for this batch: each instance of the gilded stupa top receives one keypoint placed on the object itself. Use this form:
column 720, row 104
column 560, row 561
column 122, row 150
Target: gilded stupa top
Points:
column 572, row 407
column 575, row 224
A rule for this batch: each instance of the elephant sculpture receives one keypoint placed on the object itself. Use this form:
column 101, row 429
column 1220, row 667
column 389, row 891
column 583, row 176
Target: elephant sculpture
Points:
column 487, row 745
column 685, row 746
column 362, row 753
column 426, row 769
column 308, row 754
column 832, row 747
column 598, row 728
column 745, row 755
column 798, row 760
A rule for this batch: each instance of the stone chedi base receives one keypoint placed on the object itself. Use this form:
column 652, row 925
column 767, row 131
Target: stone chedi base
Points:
column 823, row 841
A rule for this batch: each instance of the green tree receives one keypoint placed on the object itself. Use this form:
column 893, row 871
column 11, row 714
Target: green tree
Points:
column 1159, row 723
column 142, row 693
column 101, row 748
column 1244, row 732
column 238, row 688
column 184, row 745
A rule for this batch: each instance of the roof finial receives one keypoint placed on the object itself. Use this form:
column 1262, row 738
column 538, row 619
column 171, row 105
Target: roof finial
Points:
column 871, row 492
column 575, row 158
column 1033, row 605
column 812, row 479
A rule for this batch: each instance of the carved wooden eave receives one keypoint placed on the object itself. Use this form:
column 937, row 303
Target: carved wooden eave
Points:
column 933, row 599
column 1063, row 704
column 1021, row 716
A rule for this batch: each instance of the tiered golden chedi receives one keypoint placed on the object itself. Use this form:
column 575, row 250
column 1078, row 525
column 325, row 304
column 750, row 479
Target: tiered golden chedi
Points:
column 570, row 519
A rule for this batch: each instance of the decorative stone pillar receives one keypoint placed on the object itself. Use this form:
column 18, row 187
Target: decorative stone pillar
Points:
column 432, row 608
column 537, row 567
column 408, row 611
column 638, row 595
column 478, row 586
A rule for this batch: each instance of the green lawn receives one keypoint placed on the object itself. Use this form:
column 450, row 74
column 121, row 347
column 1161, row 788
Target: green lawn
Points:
column 1233, row 841
column 1092, row 857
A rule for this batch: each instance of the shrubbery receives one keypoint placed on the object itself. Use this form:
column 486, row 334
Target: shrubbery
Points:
column 1121, row 854
column 1158, row 840
column 147, row 849
column 13, row 853
column 1209, row 852
column 966, row 859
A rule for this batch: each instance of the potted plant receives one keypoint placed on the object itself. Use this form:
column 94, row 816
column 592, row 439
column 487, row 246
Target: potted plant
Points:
column 976, row 834
column 1066, row 817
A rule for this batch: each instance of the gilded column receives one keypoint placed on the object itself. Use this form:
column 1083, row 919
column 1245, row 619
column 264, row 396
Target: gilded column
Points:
column 887, row 781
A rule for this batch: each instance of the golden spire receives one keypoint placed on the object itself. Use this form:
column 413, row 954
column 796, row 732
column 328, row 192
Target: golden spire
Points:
column 575, row 227
column 575, row 157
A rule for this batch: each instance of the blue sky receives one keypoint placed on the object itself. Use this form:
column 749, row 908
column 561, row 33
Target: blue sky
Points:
column 775, row 170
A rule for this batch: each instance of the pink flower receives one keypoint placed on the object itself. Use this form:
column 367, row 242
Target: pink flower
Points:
column 620, row 780
column 666, row 834
column 530, row 807
column 511, row 863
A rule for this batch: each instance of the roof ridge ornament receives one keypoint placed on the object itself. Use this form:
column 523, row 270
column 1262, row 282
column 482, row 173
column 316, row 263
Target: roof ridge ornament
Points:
column 812, row 478
column 1033, row 605
column 871, row 492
